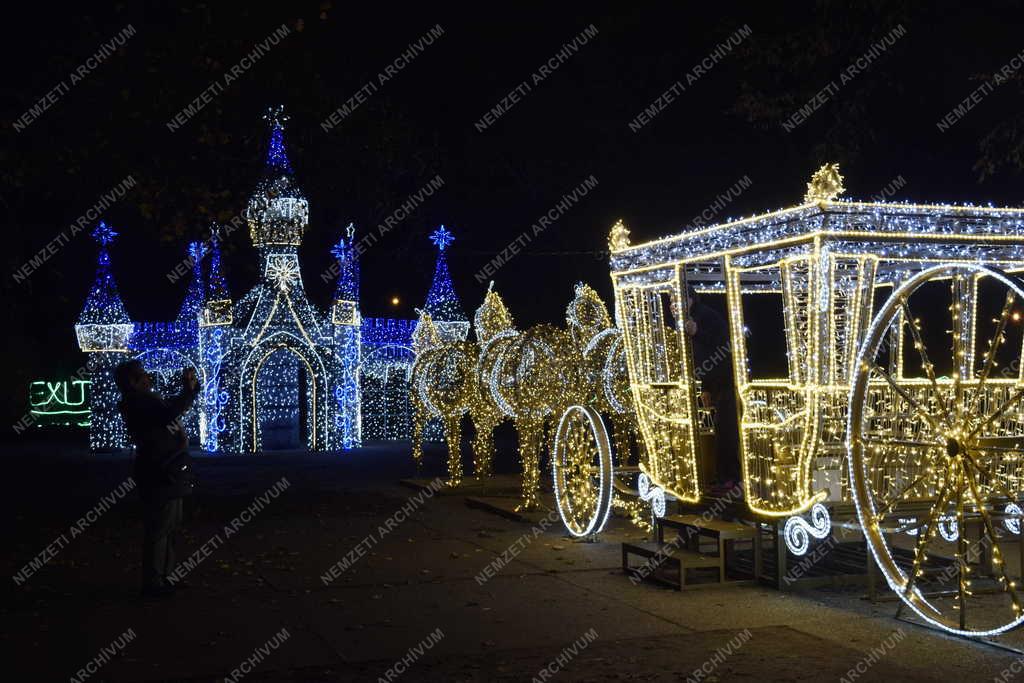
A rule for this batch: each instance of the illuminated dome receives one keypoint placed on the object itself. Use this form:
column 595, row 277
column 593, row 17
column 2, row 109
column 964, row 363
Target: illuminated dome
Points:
column 277, row 212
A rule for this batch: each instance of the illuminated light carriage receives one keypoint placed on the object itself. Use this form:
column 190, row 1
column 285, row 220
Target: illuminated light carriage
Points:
column 902, row 412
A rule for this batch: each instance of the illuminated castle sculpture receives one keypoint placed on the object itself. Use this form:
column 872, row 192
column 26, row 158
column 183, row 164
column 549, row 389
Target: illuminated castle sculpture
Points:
column 275, row 371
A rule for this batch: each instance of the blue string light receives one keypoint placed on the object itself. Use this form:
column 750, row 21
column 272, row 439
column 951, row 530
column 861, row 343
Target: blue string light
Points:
column 277, row 156
column 442, row 237
column 443, row 303
column 270, row 359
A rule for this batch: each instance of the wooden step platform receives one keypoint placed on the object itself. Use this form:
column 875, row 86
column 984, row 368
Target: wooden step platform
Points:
column 703, row 526
column 660, row 555
column 690, row 529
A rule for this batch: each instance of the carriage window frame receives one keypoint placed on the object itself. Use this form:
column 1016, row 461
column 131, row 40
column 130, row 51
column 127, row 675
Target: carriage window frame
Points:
column 656, row 364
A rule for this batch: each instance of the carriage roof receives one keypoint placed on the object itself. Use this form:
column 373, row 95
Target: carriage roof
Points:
column 901, row 236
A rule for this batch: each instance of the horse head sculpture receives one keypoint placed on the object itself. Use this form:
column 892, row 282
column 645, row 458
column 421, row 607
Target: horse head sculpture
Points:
column 586, row 315
column 425, row 335
column 492, row 318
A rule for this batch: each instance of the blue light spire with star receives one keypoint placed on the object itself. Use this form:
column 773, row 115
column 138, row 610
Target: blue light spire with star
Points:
column 442, row 302
column 217, row 287
column 347, row 288
column 277, row 155
column 103, row 306
column 193, row 303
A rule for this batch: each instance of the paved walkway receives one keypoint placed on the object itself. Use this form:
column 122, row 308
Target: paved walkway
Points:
column 406, row 598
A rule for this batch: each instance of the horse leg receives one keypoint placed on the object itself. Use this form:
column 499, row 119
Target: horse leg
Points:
column 530, row 434
column 483, row 444
column 620, row 434
column 453, row 435
column 419, row 417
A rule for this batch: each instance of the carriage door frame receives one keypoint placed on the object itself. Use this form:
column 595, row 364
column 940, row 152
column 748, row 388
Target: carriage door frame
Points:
column 638, row 305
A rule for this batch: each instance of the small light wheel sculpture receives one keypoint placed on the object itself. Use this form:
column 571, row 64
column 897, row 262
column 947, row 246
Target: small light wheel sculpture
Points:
column 945, row 450
column 582, row 465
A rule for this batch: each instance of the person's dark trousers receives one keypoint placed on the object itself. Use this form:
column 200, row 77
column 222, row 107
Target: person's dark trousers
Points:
column 727, row 462
column 161, row 521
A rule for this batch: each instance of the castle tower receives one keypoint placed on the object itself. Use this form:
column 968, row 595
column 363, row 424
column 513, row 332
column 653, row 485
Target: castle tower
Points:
column 347, row 321
column 442, row 302
column 104, row 331
column 288, row 364
column 192, row 306
column 214, row 345
column 278, row 212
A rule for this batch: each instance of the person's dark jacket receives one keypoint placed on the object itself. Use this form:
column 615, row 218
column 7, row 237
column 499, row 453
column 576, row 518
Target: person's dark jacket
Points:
column 163, row 466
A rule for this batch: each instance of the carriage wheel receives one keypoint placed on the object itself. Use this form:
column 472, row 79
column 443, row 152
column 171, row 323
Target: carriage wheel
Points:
column 947, row 451
column 582, row 465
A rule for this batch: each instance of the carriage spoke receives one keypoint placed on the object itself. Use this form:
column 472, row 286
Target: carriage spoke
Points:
column 914, row 403
column 993, row 347
column 961, row 547
column 1000, row 449
column 929, row 369
column 999, row 411
column 923, row 537
column 902, row 442
column 885, row 509
column 896, row 443
column 994, row 481
column 956, row 285
column 997, row 558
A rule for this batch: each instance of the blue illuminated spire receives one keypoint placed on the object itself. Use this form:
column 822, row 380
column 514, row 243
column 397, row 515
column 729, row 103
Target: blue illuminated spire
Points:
column 277, row 212
column 442, row 302
column 193, row 302
column 277, row 155
column 217, row 288
column 348, row 267
column 103, row 306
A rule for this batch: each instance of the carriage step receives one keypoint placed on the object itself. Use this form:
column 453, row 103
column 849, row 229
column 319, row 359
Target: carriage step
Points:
column 691, row 528
column 660, row 555
column 715, row 528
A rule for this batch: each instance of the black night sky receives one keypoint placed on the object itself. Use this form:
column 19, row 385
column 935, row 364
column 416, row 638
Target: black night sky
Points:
column 880, row 127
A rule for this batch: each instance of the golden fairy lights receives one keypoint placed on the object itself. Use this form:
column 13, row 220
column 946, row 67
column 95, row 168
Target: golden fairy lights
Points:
column 530, row 377
column 445, row 385
column 826, row 184
column 941, row 448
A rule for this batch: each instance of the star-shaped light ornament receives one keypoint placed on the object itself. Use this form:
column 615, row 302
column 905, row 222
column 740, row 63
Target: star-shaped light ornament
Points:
column 341, row 249
column 442, row 237
column 276, row 116
column 196, row 251
column 103, row 233
column 284, row 272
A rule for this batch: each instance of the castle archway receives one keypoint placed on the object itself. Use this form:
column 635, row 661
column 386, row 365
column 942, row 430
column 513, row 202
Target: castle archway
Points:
column 283, row 396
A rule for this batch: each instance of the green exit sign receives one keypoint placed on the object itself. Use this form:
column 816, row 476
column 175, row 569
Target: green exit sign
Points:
column 64, row 403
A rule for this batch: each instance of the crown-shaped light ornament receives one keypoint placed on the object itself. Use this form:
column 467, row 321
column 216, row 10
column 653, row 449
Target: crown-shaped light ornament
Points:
column 618, row 238
column 826, row 184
